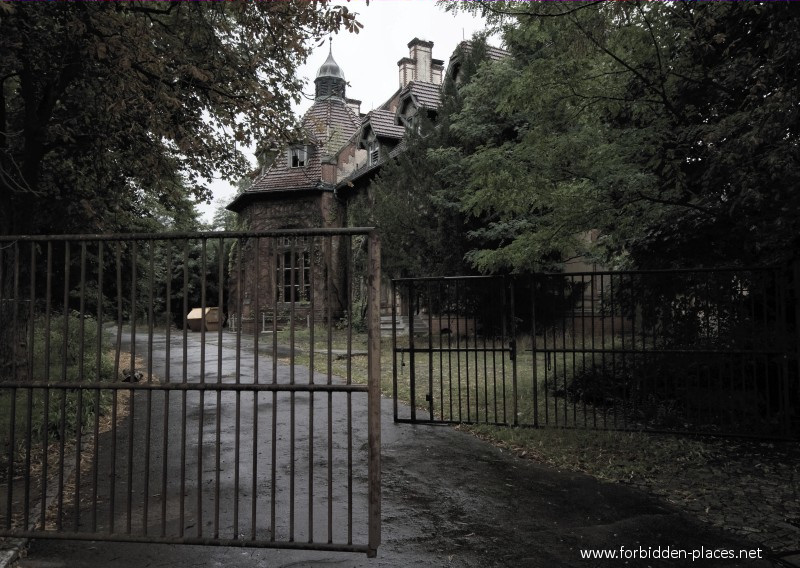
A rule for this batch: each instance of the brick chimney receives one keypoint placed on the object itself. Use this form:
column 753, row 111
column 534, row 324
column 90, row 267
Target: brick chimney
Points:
column 420, row 65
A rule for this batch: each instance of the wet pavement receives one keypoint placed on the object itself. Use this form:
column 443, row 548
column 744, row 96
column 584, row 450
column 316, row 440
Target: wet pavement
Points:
column 449, row 499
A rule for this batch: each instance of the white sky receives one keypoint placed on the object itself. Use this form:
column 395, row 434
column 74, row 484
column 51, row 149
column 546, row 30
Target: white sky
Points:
column 369, row 58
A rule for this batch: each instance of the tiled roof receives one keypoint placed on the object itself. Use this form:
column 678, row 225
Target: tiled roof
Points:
column 494, row 53
column 366, row 168
column 382, row 123
column 426, row 95
column 329, row 124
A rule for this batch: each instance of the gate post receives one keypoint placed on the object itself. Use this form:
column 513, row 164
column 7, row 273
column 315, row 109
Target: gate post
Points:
column 374, row 393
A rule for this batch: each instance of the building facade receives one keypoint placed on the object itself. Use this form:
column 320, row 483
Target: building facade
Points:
column 306, row 184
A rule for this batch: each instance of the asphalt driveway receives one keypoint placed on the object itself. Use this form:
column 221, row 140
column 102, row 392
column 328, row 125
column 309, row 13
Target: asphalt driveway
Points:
column 449, row 499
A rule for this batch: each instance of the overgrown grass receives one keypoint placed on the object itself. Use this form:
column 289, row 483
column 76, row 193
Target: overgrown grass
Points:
column 578, row 436
column 64, row 350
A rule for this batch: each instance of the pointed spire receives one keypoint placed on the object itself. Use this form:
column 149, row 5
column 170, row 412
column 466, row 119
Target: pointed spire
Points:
column 330, row 81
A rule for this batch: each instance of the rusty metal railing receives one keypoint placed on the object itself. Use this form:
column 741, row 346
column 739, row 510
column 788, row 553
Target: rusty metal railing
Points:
column 123, row 419
column 707, row 351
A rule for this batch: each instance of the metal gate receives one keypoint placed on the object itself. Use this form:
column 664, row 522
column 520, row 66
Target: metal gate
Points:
column 181, row 389
column 707, row 351
column 454, row 350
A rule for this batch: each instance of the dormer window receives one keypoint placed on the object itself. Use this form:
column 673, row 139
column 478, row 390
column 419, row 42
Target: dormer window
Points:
column 374, row 150
column 298, row 156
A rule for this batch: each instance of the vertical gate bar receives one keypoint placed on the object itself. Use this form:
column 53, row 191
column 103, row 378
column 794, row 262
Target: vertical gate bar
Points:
column 563, row 320
column 168, row 313
column 430, row 351
column 573, row 333
column 486, row 371
column 349, row 284
column 63, row 408
column 534, row 356
column 13, row 409
column 312, row 316
column 513, row 312
column 502, row 323
column 149, row 396
column 613, row 342
column 218, row 408
column 81, row 369
column 583, row 348
column 394, row 351
column 603, row 341
column 256, row 380
column 634, row 390
column 273, row 243
column 329, row 306
column 782, row 392
column 796, row 347
column 554, row 376
column 31, row 377
column 440, row 297
column 458, row 346
column 184, row 380
column 13, row 397
column 46, row 402
column 477, row 368
column 705, row 413
column 240, row 287
column 131, row 392
column 327, row 253
column 412, row 365
column 201, row 394
column 292, row 314
column 449, row 353
column 15, row 314
column 11, row 444
column 622, row 325
column 545, row 293
column 592, row 280
column 374, row 394
column 466, row 354
column 349, row 429
column 167, row 365
column 98, row 365
column 114, row 394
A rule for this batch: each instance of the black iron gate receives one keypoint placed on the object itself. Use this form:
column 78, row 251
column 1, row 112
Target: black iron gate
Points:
column 133, row 411
column 455, row 350
column 710, row 351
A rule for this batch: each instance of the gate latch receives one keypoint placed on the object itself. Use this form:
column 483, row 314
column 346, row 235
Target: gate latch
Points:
column 512, row 349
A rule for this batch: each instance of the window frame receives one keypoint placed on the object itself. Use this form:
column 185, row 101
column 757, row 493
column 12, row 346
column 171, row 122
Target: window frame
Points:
column 302, row 156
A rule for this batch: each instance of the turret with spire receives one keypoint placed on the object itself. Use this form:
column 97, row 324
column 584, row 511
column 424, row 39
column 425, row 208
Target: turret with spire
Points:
column 330, row 81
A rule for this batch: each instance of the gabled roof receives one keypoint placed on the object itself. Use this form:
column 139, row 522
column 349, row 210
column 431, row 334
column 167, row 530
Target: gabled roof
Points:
column 494, row 53
column 424, row 95
column 383, row 124
column 328, row 125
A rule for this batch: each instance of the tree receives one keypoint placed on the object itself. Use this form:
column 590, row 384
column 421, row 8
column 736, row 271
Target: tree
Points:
column 106, row 107
column 670, row 128
column 415, row 200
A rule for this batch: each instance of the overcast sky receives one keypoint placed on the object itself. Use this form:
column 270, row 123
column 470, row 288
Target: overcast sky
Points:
column 369, row 58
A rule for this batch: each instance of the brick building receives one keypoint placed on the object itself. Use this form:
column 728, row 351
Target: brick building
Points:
column 308, row 183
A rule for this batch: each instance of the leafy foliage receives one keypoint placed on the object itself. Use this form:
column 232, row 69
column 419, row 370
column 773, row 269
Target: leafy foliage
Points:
column 668, row 131
column 108, row 110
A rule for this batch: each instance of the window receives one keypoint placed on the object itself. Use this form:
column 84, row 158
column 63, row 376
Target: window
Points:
column 293, row 276
column 374, row 150
column 298, row 157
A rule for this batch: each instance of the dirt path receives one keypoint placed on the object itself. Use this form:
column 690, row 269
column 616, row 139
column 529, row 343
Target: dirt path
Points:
column 448, row 500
